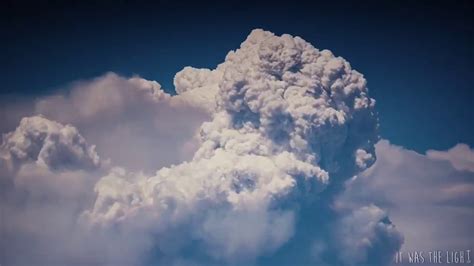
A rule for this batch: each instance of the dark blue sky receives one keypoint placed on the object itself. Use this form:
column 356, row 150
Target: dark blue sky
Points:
column 418, row 56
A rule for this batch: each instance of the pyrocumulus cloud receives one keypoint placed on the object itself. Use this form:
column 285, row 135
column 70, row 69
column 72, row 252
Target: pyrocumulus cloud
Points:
column 242, row 166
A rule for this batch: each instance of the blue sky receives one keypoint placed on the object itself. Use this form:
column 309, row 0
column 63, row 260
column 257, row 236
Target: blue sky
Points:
column 417, row 58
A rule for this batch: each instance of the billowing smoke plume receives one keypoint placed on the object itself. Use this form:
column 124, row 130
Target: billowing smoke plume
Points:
column 271, row 134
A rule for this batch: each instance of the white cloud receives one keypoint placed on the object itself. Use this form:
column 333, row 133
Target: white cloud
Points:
column 271, row 134
column 48, row 172
column 429, row 197
column 48, row 144
column 289, row 119
column 367, row 235
column 132, row 121
column 460, row 156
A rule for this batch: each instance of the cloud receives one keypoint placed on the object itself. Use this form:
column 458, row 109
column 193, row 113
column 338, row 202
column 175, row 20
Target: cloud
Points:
column 241, row 167
column 48, row 172
column 366, row 235
column 132, row 121
column 43, row 158
column 429, row 197
column 460, row 156
column 197, row 87
column 289, row 120
column 48, row 144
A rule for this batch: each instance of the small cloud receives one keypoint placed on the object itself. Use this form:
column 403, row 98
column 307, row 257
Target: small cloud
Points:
column 460, row 156
column 429, row 197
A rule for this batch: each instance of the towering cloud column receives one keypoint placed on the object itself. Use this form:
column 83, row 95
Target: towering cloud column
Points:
column 285, row 125
column 290, row 123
